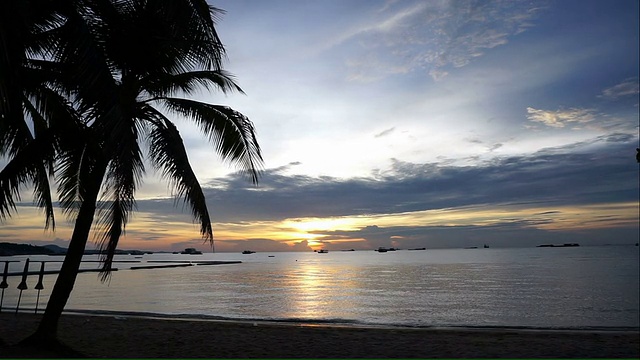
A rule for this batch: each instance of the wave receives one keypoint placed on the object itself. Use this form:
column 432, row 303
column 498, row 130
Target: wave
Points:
column 340, row 322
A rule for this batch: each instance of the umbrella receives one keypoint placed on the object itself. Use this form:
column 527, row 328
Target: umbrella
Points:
column 4, row 284
column 39, row 285
column 23, row 283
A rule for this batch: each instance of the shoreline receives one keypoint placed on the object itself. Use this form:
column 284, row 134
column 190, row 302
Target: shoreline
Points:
column 338, row 323
column 123, row 335
column 346, row 324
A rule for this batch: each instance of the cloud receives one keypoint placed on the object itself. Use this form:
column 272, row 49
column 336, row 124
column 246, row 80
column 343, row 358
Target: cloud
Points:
column 385, row 132
column 593, row 171
column 561, row 118
column 628, row 87
column 433, row 37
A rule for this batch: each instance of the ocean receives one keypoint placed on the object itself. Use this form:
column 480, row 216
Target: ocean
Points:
column 537, row 288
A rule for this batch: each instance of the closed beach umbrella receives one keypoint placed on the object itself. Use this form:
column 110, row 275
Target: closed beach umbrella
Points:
column 23, row 283
column 4, row 284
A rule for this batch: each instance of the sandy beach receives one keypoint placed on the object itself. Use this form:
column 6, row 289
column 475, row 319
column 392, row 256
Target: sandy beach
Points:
column 134, row 337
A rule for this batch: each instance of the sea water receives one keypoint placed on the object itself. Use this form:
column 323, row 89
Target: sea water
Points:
column 559, row 288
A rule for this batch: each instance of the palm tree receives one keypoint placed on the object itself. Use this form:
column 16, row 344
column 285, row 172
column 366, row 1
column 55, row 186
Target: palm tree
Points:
column 123, row 66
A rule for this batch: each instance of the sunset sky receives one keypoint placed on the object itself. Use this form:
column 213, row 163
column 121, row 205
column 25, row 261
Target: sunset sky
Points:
column 410, row 124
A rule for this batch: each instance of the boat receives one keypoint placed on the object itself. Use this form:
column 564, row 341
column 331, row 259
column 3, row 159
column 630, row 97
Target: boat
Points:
column 191, row 251
column 486, row 246
column 560, row 245
column 384, row 249
column 248, row 252
column 323, row 251
column 419, row 248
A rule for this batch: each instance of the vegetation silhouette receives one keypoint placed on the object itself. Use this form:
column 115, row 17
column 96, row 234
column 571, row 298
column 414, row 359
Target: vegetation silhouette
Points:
column 84, row 86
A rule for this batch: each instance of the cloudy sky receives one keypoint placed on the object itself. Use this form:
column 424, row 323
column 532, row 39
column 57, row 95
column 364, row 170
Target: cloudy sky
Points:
column 413, row 123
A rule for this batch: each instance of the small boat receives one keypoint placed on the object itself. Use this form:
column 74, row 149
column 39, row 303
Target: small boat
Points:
column 383, row 249
column 191, row 251
column 323, row 251
column 559, row 245
column 419, row 248
column 486, row 246
column 248, row 252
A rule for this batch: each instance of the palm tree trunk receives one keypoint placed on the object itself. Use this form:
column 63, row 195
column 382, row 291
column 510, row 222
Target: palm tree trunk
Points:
column 46, row 334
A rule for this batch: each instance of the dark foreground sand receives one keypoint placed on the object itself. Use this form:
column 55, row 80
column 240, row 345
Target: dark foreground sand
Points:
column 132, row 337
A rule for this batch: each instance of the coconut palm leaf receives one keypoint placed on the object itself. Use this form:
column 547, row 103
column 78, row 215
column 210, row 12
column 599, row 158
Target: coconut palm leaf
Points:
column 168, row 154
column 187, row 83
column 26, row 167
column 231, row 133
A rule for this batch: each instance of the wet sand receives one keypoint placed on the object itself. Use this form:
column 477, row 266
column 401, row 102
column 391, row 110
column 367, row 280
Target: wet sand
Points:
column 134, row 337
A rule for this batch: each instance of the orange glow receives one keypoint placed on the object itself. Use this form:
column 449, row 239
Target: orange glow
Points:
column 149, row 232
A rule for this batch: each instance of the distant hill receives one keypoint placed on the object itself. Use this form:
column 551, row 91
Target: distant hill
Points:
column 56, row 249
column 9, row 249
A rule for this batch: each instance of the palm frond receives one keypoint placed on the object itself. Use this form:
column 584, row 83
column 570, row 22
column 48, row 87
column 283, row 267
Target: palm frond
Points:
column 187, row 83
column 113, row 220
column 42, row 194
column 168, row 154
column 24, row 168
column 194, row 41
column 68, row 176
column 91, row 75
column 231, row 133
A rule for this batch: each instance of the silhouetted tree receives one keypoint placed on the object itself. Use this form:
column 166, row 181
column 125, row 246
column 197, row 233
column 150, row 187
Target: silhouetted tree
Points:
column 97, row 80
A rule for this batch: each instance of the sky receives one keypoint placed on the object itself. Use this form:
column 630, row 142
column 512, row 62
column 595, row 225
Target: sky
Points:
column 438, row 124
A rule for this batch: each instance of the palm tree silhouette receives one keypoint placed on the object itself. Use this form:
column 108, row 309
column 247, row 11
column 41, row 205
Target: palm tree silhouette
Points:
column 115, row 71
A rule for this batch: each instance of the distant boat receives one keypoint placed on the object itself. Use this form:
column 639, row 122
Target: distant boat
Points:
column 559, row 245
column 191, row 251
column 486, row 246
column 349, row 250
column 471, row 247
column 323, row 251
column 248, row 252
column 384, row 249
column 418, row 249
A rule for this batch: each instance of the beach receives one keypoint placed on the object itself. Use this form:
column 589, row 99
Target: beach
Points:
column 125, row 336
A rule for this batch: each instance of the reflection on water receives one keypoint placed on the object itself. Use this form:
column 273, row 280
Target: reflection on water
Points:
column 577, row 287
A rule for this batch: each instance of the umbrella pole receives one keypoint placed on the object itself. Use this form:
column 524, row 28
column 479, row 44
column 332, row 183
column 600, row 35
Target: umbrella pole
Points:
column 37, row 301
column 39, row 285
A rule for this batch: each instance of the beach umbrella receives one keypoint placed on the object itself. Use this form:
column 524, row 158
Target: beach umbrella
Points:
column 39, row 285
column 23, row 283
column 4, row 284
